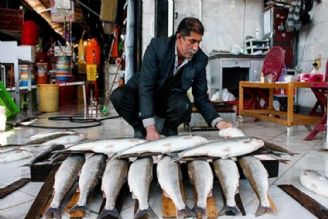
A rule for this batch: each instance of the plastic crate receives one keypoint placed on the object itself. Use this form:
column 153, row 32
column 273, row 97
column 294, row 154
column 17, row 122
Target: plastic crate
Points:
column 7, row 101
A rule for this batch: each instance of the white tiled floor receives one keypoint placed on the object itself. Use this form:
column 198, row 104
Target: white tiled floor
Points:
column 309, row 156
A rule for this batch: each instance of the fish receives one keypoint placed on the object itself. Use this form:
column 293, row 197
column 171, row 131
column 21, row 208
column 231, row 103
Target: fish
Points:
column 162, row 146
column 114, row 177
column 65, row 140
column 65, row 178
column 52, row 135
column 105, row 146
column 227, row 172
column 257, row 176
column 201, row 176
column 45, row 153
column 231, row 132
column 140, row 176
column 231, row 147
column 169, row 177
column 270, row 157
column 278, row 148
column 91, row 172
column 315, row 182
column 42, row 138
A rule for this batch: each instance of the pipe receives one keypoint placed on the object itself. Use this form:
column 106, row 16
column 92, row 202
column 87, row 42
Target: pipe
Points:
column 170, row 18
column 200, row 7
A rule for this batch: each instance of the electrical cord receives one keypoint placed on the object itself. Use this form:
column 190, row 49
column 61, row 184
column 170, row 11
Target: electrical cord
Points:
column 74, row 119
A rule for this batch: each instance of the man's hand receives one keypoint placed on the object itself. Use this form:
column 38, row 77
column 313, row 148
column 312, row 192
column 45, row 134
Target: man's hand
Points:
column 223, row 125
column 152, row 133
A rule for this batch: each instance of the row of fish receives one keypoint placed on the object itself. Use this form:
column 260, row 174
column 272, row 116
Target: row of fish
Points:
column 139, row 177
column 181, row 147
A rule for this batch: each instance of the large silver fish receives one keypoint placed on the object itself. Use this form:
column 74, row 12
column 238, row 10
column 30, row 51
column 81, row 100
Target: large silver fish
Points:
column 232, row 147
column 257, row 176
column 314, row 182
column 162, row 146
column 65, row 140
column 65, row 178
column 227, row 172
column 114, row 177
column 169, row 178
column 201, row 176
column 43, row 138
column 45, row 153
column 139, row 178
column 106, row 146
column 91, row 172
column 50, row 135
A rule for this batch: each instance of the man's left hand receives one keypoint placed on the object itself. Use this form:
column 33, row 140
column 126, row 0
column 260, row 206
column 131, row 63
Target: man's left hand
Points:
column 223, row 125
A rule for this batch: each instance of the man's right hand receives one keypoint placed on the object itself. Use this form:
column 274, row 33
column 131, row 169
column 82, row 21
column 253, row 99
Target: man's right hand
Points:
column 152, row 133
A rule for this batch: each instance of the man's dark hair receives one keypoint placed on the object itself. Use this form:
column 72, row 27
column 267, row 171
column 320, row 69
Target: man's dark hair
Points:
column 190, row 24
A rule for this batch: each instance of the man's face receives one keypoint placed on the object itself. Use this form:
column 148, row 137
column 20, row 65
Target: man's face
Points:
column 187, row 46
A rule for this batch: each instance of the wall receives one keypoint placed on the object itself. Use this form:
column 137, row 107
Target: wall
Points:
column 313, row 41
column 223, row 20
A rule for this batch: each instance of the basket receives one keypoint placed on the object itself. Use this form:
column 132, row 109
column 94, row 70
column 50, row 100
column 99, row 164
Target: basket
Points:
column 48, row 97
column 7, row 101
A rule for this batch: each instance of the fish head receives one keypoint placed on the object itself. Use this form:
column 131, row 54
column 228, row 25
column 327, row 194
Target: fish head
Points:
column 231, row 132
column 255, row 142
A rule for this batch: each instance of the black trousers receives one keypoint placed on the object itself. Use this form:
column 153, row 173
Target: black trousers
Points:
column 174, row 108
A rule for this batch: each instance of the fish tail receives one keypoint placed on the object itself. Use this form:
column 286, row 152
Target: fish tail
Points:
column 199, row 211
column 264, row 210
column 141, row 213
column 229, row 210
column 109, row 214
column 186, row 212
column 79, row 208
column 53, row 213
column 174, row 156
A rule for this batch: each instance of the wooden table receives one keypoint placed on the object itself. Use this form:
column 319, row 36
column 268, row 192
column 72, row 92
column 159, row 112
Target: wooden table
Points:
column 288, row 118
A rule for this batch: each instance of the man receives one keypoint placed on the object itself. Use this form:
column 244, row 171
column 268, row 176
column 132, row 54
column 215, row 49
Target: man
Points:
column 154, row 101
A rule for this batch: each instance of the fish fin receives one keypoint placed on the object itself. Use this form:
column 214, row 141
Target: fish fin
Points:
column 210, row 194
column 109, row 214
column 79, row 208
column 175, row 156
column 141, row 213
column 53, row 213
column 284, row 161
column 166, row 195
column 186, row 212
column 229, row 210
column 273, row 205
column 262, row 210
column 199, row 211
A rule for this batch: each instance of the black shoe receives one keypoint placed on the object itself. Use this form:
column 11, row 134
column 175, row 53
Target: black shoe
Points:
column 169, row 131
column 140, row 133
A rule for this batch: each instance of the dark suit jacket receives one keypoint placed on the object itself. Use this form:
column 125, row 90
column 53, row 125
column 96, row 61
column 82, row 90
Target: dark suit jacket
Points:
column 157, row 62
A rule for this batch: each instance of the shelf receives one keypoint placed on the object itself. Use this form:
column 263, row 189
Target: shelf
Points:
column 11, row 89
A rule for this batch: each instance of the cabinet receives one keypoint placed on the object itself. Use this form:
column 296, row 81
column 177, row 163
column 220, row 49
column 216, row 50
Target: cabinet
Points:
column 257, row 47
column 16, row 55
column 274, row 22
column 226, row 70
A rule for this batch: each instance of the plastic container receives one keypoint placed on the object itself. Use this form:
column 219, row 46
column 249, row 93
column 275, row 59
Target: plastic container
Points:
column 48, row 97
